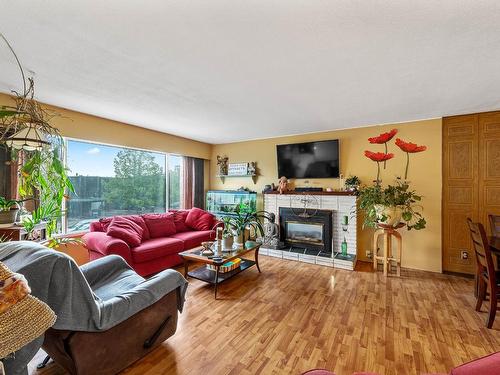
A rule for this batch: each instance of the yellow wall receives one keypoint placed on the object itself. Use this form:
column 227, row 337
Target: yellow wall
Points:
column 91, row 128
column 421, row 249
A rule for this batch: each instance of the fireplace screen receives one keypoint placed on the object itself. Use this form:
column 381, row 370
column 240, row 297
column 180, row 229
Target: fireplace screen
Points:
column 304, row 232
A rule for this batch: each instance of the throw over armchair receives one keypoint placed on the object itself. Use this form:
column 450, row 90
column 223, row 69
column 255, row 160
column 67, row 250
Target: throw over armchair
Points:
column 107, row 315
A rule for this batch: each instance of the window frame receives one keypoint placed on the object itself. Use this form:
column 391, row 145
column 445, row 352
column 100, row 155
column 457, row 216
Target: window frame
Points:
column 64, row 219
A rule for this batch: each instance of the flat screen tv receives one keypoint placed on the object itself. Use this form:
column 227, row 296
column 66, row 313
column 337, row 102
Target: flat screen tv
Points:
column 309, row 160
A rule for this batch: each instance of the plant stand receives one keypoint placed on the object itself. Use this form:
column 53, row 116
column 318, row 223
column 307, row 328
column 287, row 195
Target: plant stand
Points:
column 388, row 255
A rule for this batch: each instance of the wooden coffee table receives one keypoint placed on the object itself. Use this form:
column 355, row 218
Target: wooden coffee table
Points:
column 215, row 277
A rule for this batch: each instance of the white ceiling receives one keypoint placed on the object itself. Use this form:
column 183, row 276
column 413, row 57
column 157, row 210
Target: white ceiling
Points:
column 229, row 70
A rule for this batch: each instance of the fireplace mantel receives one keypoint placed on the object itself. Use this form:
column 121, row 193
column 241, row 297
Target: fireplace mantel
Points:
column 338, row 193
column 340, row 203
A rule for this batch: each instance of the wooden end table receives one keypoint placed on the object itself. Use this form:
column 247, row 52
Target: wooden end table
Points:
column 216, row 277
column 388, row 231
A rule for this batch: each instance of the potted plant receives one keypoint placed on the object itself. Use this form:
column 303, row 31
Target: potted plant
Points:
column 391, row 205
column 227, row 233
column 244, row 218
column 352, row 183
column 8, row 211
column 395, row 203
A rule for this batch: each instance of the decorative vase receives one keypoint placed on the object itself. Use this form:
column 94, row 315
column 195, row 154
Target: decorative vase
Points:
column 8, row 217
column 343, row 247
column 388, row 215
column 227, row 242
column 239, row 239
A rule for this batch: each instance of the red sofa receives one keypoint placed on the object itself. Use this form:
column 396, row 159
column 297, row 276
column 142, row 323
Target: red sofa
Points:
column 150, row 243
column 489, row 365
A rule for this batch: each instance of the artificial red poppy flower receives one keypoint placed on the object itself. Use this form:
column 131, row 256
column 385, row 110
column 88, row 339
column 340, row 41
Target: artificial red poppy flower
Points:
column 384, row 137
column 409, row 147
column 378, row 156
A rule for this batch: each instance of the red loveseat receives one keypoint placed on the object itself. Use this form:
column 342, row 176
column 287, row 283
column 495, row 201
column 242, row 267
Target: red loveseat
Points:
column 489, row 365
column 150, row 243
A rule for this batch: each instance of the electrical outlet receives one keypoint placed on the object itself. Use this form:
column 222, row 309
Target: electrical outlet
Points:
column 464, row 255
column 368, row 254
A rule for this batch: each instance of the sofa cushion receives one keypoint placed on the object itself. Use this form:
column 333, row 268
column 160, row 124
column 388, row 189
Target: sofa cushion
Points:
column 160, row 225
column 180, row 220
column 194, row 238
column 105, row 221
column 125, row 229
column 489, row 365
column 199, row 219
column 155, row 248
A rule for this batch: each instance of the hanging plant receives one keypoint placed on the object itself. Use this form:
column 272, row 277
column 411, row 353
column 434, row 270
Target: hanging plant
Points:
column 36, row 146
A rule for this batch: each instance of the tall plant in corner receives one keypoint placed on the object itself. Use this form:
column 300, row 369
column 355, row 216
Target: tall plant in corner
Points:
column 37, row 150
column 396, row 203
column 44, row 179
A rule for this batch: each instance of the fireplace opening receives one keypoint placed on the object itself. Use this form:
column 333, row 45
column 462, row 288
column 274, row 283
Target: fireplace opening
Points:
column 307, row 233
column 301, row 232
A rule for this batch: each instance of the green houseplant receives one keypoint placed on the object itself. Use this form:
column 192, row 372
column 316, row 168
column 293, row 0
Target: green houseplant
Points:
column 227, row 233
column 391, row 205
column 244, row 218
column 394, row 203
column 9, row 209
column 44, row 179
column 352, row 183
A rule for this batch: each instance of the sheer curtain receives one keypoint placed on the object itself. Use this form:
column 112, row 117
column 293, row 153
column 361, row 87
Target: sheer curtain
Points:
column 193, row 186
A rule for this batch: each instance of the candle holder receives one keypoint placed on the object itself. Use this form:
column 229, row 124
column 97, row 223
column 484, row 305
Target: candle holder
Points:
column 345, row 227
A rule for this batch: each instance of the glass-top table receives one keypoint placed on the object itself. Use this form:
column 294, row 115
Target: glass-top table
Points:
column 215, row 276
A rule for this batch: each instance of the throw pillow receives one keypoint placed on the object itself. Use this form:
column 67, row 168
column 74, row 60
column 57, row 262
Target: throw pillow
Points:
column 199, row 219
column 180, row 220
column 105, row 221
column 125, row 229
column 140, row 222
column 160, row 225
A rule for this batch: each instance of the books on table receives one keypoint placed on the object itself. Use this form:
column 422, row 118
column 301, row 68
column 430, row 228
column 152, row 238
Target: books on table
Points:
column 226, row 267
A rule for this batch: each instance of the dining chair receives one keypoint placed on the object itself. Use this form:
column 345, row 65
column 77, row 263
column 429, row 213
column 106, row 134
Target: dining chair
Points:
column 494, row 225
column 486, row 275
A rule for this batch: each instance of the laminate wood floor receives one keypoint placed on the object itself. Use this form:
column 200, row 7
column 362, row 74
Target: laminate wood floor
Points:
column 296, row 316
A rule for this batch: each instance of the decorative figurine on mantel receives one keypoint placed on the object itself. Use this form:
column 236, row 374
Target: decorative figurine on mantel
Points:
column 283, row 185
column 222, row 163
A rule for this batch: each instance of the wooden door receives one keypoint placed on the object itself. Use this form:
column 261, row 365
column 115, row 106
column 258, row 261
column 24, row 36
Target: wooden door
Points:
column 489, row 167
column 471, row 182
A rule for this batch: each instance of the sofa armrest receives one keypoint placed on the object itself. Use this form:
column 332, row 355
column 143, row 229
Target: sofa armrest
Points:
column 103, row 244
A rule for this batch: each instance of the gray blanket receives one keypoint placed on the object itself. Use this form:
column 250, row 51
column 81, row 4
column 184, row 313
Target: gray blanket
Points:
column 94, row 297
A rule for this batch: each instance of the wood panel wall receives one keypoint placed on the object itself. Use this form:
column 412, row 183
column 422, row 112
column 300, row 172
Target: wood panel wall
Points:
column 471, row 182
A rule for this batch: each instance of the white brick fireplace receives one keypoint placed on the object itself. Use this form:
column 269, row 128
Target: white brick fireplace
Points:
column 341, row 205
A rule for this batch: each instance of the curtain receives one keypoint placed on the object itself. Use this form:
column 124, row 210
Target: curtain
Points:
column 187, row 183
column 199, row 183
column 193, row 184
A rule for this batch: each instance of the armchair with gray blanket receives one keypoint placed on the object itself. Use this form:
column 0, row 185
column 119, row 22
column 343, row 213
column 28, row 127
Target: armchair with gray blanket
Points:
column 107, row 315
